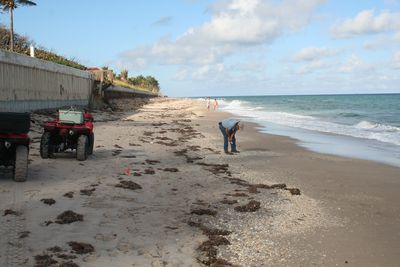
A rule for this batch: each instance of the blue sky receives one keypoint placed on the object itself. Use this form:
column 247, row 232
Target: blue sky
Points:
column 229, row 47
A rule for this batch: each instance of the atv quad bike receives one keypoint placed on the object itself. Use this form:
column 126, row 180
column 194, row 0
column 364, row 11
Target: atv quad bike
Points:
column 73, row 129
column 14, row 143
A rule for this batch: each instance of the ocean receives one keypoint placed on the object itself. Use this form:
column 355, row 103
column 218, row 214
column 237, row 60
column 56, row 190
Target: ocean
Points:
column 358, row 126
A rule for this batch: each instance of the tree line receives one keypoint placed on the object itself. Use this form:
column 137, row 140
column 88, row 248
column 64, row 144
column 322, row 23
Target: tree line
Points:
column 148, row 82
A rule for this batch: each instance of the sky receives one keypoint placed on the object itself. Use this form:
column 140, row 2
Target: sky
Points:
column 228, row 47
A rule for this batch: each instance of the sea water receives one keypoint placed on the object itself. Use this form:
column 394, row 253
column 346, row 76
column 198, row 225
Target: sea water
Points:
column 359, row 126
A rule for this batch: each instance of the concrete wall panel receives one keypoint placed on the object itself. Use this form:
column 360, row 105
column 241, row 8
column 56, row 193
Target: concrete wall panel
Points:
column 28, row 83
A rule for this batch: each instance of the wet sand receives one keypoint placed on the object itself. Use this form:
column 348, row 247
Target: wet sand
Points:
column 159, row 192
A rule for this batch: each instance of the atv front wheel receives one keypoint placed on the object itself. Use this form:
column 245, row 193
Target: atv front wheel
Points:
column 82, row 148
column 91, row 143
column 21, row 164
column 46, row 150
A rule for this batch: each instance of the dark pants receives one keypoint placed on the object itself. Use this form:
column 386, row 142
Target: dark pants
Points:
column 233, row 144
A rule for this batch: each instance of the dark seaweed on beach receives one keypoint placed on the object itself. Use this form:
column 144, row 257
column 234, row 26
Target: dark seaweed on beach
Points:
column 222, row 263
column 87, row 192
column 68, row 217
column 11, row 212
column 229, row 201
column 129, row 185
column 252, row 206
column 152, row 162
column 23, row 234
column 80, row 247
column 69, row 194
column 277, row 186
column 237, row 195
column 48, row 201
column 66, row 256
column 55, row 249
column 69, row 264
column 214, row 240
column 44, row 260
column 216, row 168
column 149, row 171
column 204, row 212
column 253, row 190
column 170, row 170
column 294, row 191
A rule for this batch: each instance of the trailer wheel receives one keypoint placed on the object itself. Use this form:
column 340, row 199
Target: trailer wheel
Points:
column 82, row 148
column 91, row 143
column 46, row 146
column 21, row 164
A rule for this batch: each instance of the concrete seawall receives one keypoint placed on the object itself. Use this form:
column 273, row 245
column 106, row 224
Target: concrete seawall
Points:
column 29, row 84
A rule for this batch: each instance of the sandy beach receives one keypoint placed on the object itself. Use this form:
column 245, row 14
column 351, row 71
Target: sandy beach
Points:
column 158, row 191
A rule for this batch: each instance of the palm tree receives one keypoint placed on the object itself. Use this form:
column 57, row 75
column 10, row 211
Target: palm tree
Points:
column 10, row 5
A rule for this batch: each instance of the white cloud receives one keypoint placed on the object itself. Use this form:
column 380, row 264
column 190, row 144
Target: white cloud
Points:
column 234, row 25
column 314, row 66
column 181, row 75
column 396, row 60
column 355, row 64
column 397, row 37
column 366, row 23
column 314, row 53
column 208, row 72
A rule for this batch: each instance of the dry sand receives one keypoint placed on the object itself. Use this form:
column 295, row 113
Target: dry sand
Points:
column 158, row 192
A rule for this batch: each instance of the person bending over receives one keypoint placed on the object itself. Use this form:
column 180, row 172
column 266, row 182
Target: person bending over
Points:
column 228, row 128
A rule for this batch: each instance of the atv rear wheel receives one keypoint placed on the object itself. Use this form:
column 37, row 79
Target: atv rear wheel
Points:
column 46, row 150
column 83, row 148
column 21, row 164
column 91, row 143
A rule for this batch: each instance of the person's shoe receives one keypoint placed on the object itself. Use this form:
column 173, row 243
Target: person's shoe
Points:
column 228, row 153
column 235, row 151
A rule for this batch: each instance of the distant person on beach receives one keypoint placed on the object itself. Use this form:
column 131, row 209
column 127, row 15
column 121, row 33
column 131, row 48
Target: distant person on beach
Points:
column 215, row 104
column 208, row 103
column 228, row 128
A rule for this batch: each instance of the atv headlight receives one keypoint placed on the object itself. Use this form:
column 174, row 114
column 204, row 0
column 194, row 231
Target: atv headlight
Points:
column 7, row 144
column 71, row 132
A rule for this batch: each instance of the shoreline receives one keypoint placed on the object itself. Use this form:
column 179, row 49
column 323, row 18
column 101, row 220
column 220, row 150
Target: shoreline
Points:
column 358, row 192
column 357, row 136
column 158, row 192
column 334, row 144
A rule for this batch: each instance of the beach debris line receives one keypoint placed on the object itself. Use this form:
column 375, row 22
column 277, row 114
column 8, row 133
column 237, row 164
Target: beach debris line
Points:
column 68, row 217
column 208, row 248
column 252, row 188
column 216, row 168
